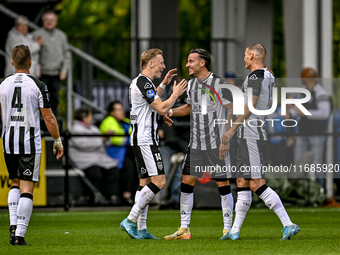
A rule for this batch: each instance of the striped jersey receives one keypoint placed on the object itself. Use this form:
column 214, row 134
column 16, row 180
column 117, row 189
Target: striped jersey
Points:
column 21, row 97
column 262, row 83
column 207, row 104
column 142, row 115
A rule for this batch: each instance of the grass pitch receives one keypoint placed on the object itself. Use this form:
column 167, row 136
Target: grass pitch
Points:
column 99, row 233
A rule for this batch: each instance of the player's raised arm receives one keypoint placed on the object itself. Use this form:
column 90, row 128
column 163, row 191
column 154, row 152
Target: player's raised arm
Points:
column 167, row 79
column 183, row 110
column 162, row 107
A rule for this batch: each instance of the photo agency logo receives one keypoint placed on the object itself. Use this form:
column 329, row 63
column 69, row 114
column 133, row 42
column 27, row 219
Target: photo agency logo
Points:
column 205, row 98
column 239, row 103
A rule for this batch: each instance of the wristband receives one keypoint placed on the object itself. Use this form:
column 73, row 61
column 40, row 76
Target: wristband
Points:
column 58, row 140
column 171, row 112
column 162, row 86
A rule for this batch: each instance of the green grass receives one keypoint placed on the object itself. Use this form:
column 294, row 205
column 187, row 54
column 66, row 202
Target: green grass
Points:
column 99, row 233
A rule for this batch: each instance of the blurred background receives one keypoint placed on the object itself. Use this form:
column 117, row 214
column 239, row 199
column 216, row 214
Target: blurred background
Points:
column 106, row 39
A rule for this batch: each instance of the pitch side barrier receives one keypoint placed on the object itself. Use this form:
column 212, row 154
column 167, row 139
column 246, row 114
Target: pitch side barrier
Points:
column 66, row 136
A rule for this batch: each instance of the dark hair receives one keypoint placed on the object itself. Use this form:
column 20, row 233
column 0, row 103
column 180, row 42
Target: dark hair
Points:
column 203, row 54
column 111, row 105
column 81, row 113
column 21, row 57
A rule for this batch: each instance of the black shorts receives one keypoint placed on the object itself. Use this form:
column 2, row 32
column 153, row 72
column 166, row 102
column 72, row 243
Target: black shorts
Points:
column 23, row 166
column 250, row 158
column 148, row 160
column 197, row 162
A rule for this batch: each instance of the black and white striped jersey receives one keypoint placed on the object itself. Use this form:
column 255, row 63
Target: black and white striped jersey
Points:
column 143, row 116
column 207, row 104
column 262, row 82
column 21, row 97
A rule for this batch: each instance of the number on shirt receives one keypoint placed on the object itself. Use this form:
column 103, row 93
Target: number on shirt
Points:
column 16, row 100
column 158, row 156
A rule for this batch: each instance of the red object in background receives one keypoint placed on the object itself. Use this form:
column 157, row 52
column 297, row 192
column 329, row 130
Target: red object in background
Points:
column 206, row 177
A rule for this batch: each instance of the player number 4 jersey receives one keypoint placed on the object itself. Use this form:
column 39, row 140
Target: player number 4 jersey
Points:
column 21, row 97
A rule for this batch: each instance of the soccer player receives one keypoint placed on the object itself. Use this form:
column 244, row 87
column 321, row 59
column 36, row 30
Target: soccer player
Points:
column 251, row 146
column 205, row 147
column 22, row 96
column 145, row 103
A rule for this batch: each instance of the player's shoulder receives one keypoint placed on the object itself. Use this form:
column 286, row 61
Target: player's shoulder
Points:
column 143, row 82
column 37, row 82
column 5, row 78
column 257, row 74
column 215, row 76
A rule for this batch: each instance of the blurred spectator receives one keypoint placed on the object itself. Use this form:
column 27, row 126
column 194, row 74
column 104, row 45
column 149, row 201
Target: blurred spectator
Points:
column 314, row 125
column 278, row 149
column 119, row 147
column 19, row 35
column 231, row 78
column 54, row 56
column 88, row 154
column 174, row 140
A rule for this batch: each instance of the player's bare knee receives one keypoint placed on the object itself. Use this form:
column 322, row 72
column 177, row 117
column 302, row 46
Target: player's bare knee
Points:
column 222, row 184
column 187, row 179
column 242, row 183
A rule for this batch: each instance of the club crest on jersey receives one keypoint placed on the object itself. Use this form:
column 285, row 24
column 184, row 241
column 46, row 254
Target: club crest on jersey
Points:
column 160, row 165
column 253, row 77
column 147, row 86
column 150, row 93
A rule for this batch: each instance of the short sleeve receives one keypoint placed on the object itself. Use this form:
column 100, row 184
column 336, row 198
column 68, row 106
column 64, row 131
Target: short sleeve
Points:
column 43, row 99
column 147, row 89
column 255, row 80
column 226, row 97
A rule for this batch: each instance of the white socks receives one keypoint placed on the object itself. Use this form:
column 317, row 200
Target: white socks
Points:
column 13, row 201
column 273, row 202
column 187, row 203
column 227, row 203
column 141, row 220
column 24, row 213
column 144, row 198
column 241, row 208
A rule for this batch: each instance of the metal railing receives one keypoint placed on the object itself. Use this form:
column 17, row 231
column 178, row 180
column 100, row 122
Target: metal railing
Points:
column 70, row 93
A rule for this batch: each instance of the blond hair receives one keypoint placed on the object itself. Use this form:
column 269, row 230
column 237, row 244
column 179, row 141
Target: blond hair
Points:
column 148, row 55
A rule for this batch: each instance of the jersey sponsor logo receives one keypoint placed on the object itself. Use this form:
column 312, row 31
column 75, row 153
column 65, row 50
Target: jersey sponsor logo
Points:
column 253, row 77
column 195, row 108
column 147, row 86
column 143, row 170
column 150, row 93
column 27, row 172
column 18, row 118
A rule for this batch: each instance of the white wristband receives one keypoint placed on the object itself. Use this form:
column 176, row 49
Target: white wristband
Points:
column 171, row 112
column 58, row 140
column 162, row 86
